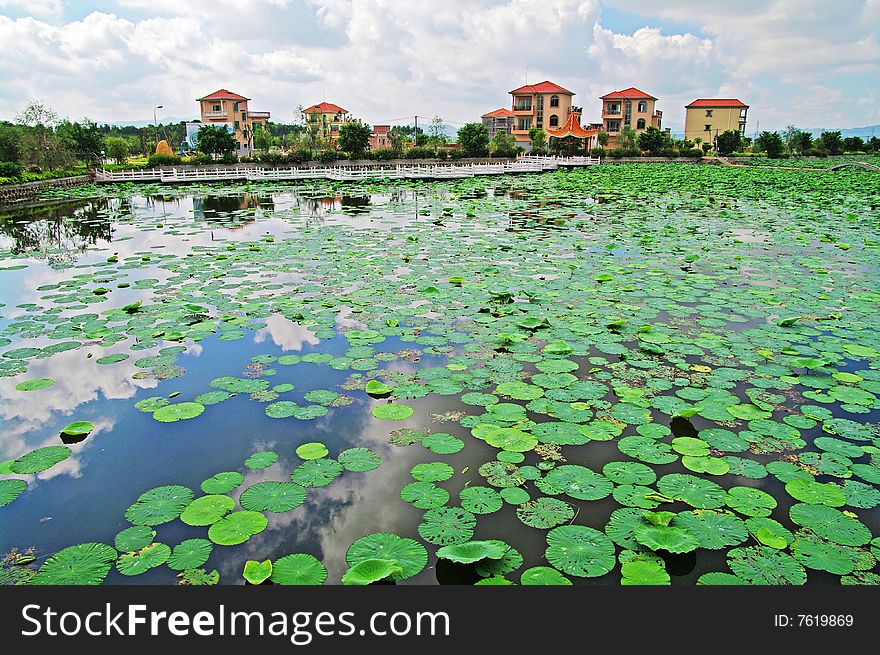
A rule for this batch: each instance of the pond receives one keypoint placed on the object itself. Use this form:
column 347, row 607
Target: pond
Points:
column 637, row 374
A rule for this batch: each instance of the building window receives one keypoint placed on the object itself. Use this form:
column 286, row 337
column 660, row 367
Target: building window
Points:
column 244, row 115
column 643, row 106
column 708, row 128
column 708, row 113
column 612, row 126
column 216, row 108
column 524, row 124
column 640, row 124
column 235, row 107
column 554, row 120
column 523, row 104
column 236, row 125
column 554, row 101
column 612, row 108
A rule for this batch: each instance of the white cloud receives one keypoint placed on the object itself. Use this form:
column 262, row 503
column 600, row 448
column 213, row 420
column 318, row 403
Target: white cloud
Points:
column 384, row 59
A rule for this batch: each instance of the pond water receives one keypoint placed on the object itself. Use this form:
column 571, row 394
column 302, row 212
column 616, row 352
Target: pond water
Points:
column 637, row 374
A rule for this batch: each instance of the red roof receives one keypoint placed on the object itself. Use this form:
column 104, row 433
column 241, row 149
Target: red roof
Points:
column 542, row 87
column 716, row 102
column 631, row 92
column 326, row 107
column 223, row 94
column 499, row 113
column 572, row 127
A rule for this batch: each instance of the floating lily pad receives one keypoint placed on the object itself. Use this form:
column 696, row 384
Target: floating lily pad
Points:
column 580, row 551
column 35, row 385
column 316, row 472
column 447, row 525
column 545, row 513
column 261, row 460
column 237, row 528
column 134, row 538
column 178, row 412
column 473, row 551
column 424, row 495
column 543, row 576
column 431, row 472
column 409, row 554
column 141, row 561
column 257, row 573
column 222, row 483
column 359, row 460
column 190, row 554
column 83, row 564
column 39, row 460
column 369, row 571
column 159, row 505
column 643, row 573
column 392, row 412
column 298, row 569
column 10, row 490
column 312, row 450
column 480, row 500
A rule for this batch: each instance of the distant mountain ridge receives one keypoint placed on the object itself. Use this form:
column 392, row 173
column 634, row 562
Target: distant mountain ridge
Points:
column 865, row 132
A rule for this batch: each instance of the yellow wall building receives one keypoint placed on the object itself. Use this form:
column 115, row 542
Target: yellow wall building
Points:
column 325, row 119
column 541, row 106
column 226, row 107
column 706, row 118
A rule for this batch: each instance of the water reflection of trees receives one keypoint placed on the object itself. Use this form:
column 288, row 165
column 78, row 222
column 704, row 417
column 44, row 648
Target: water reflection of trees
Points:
column 58, row 233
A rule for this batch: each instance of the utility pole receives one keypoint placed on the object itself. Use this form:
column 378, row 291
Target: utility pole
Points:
column 156, row 124
column 416, row 131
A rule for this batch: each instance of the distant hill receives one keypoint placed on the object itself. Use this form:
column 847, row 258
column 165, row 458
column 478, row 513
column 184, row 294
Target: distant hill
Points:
column 864, row 132
column 167, row 120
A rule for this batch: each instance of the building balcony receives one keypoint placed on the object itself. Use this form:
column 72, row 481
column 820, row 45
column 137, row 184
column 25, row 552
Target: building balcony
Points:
column 260, row 115
column 523, row 111
column 215, row 114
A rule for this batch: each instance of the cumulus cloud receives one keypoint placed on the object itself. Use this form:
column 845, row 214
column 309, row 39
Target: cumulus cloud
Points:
column 386, row 59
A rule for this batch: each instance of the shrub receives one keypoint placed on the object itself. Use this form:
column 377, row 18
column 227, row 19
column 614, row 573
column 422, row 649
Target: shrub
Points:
column 383, row 154
column 669, row 151
column 10, row 169
column 597, row 152
column 419, row 153
column 33, row 168
column 696, row 153
column 457, row 154
column 163, row 160
column 326, row 156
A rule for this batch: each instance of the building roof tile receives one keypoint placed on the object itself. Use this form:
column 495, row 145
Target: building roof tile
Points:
column 542, row 87
column 631, row 92
column 325, row 107
column 716, row 102
column 223, row 94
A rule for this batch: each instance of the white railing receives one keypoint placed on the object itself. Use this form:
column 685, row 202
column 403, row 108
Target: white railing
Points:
column 525, row 164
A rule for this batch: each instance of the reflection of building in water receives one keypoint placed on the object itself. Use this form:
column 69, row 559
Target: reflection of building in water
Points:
column 319, row 207
column 58, row 233
column 224, row 209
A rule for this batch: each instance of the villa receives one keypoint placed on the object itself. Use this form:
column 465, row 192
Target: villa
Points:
column 500, row 120
column 540, row 106
column 628, row 107
column 325, row 119
column 230, row 109
column 706, row 118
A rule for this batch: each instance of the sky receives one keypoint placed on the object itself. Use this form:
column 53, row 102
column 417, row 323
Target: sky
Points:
column 812, row 63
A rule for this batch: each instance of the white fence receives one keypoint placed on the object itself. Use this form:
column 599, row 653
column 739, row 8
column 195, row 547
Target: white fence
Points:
column 527, row 164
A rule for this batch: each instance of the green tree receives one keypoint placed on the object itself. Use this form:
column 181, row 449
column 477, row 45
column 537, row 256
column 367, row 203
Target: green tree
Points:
column 116, row 148
column 474, row 139
column 263, row 138
column 652, row 140
column 831, row 142
column 771, row 143
column 539, row 141
column 354, row 138
column 853, row 144
column 502, row 145
column 602, row 137
column 10, row 142
column 436, row 126
column 626, row 141
column 728, row 142
column 797, row 142
column 215, row 140
column 83, row 139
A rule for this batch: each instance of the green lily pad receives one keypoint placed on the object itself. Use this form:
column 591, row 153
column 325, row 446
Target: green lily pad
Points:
column 222, row 483
column 359, row 460
column 316, row 472
column 261, row 460
column 392, row 412
column 299, row 569
column 369, row 571
column 39, row 460
column 159, row 505
column 312, row 450
column 272, row 496
column 257, row 572
column 178, row 412
column 447, row 525
column 237, row 528
column 409, row 554
column 83, row 564
column 580, row 551
column 190, row 554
